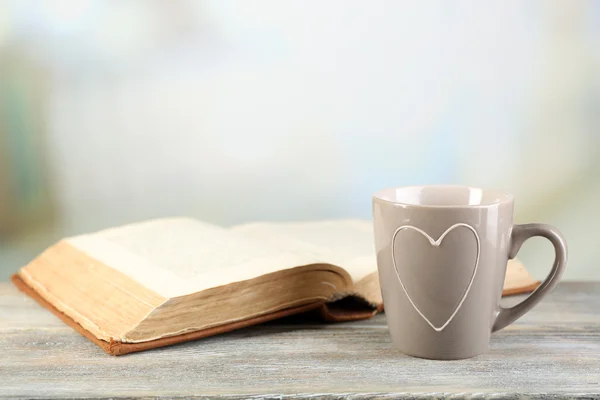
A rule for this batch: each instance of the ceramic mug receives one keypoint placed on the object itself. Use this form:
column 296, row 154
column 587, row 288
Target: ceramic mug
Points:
column 442, row 253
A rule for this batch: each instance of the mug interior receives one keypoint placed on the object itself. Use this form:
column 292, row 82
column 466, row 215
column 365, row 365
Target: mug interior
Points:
column 442, row 196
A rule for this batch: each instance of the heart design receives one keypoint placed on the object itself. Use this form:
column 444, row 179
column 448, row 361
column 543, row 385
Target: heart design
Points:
column 437, row 243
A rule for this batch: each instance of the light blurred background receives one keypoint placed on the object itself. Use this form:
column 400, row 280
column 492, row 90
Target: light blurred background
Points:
column 233, row 111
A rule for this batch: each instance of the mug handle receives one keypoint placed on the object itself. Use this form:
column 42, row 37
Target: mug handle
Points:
column 519, row 234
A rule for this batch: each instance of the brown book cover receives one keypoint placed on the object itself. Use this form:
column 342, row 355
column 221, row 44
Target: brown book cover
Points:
column 329, row 313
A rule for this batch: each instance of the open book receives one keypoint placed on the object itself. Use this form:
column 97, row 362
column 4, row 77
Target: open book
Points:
column 167, row 281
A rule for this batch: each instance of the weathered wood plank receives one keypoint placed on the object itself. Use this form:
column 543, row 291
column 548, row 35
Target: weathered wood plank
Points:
column 553, row 352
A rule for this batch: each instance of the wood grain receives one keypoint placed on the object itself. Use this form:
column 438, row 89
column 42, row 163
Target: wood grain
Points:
column 552, row 352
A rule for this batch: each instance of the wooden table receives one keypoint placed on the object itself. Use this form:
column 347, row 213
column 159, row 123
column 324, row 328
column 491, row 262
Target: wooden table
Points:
column 552, row 352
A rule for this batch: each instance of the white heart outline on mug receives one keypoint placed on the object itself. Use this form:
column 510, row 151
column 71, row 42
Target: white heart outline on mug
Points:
column 437, row 243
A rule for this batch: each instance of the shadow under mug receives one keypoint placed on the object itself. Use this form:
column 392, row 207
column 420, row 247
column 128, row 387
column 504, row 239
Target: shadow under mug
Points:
column 442, row 253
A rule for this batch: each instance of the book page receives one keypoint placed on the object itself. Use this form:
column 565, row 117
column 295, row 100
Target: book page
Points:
column 345, row 243
column 178, row 256
column 517, row 276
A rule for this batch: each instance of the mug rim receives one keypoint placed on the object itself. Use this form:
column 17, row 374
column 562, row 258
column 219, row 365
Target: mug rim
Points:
column 500, row 197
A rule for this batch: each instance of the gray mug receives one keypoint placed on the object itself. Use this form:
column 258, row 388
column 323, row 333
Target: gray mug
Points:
column 442, row 253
